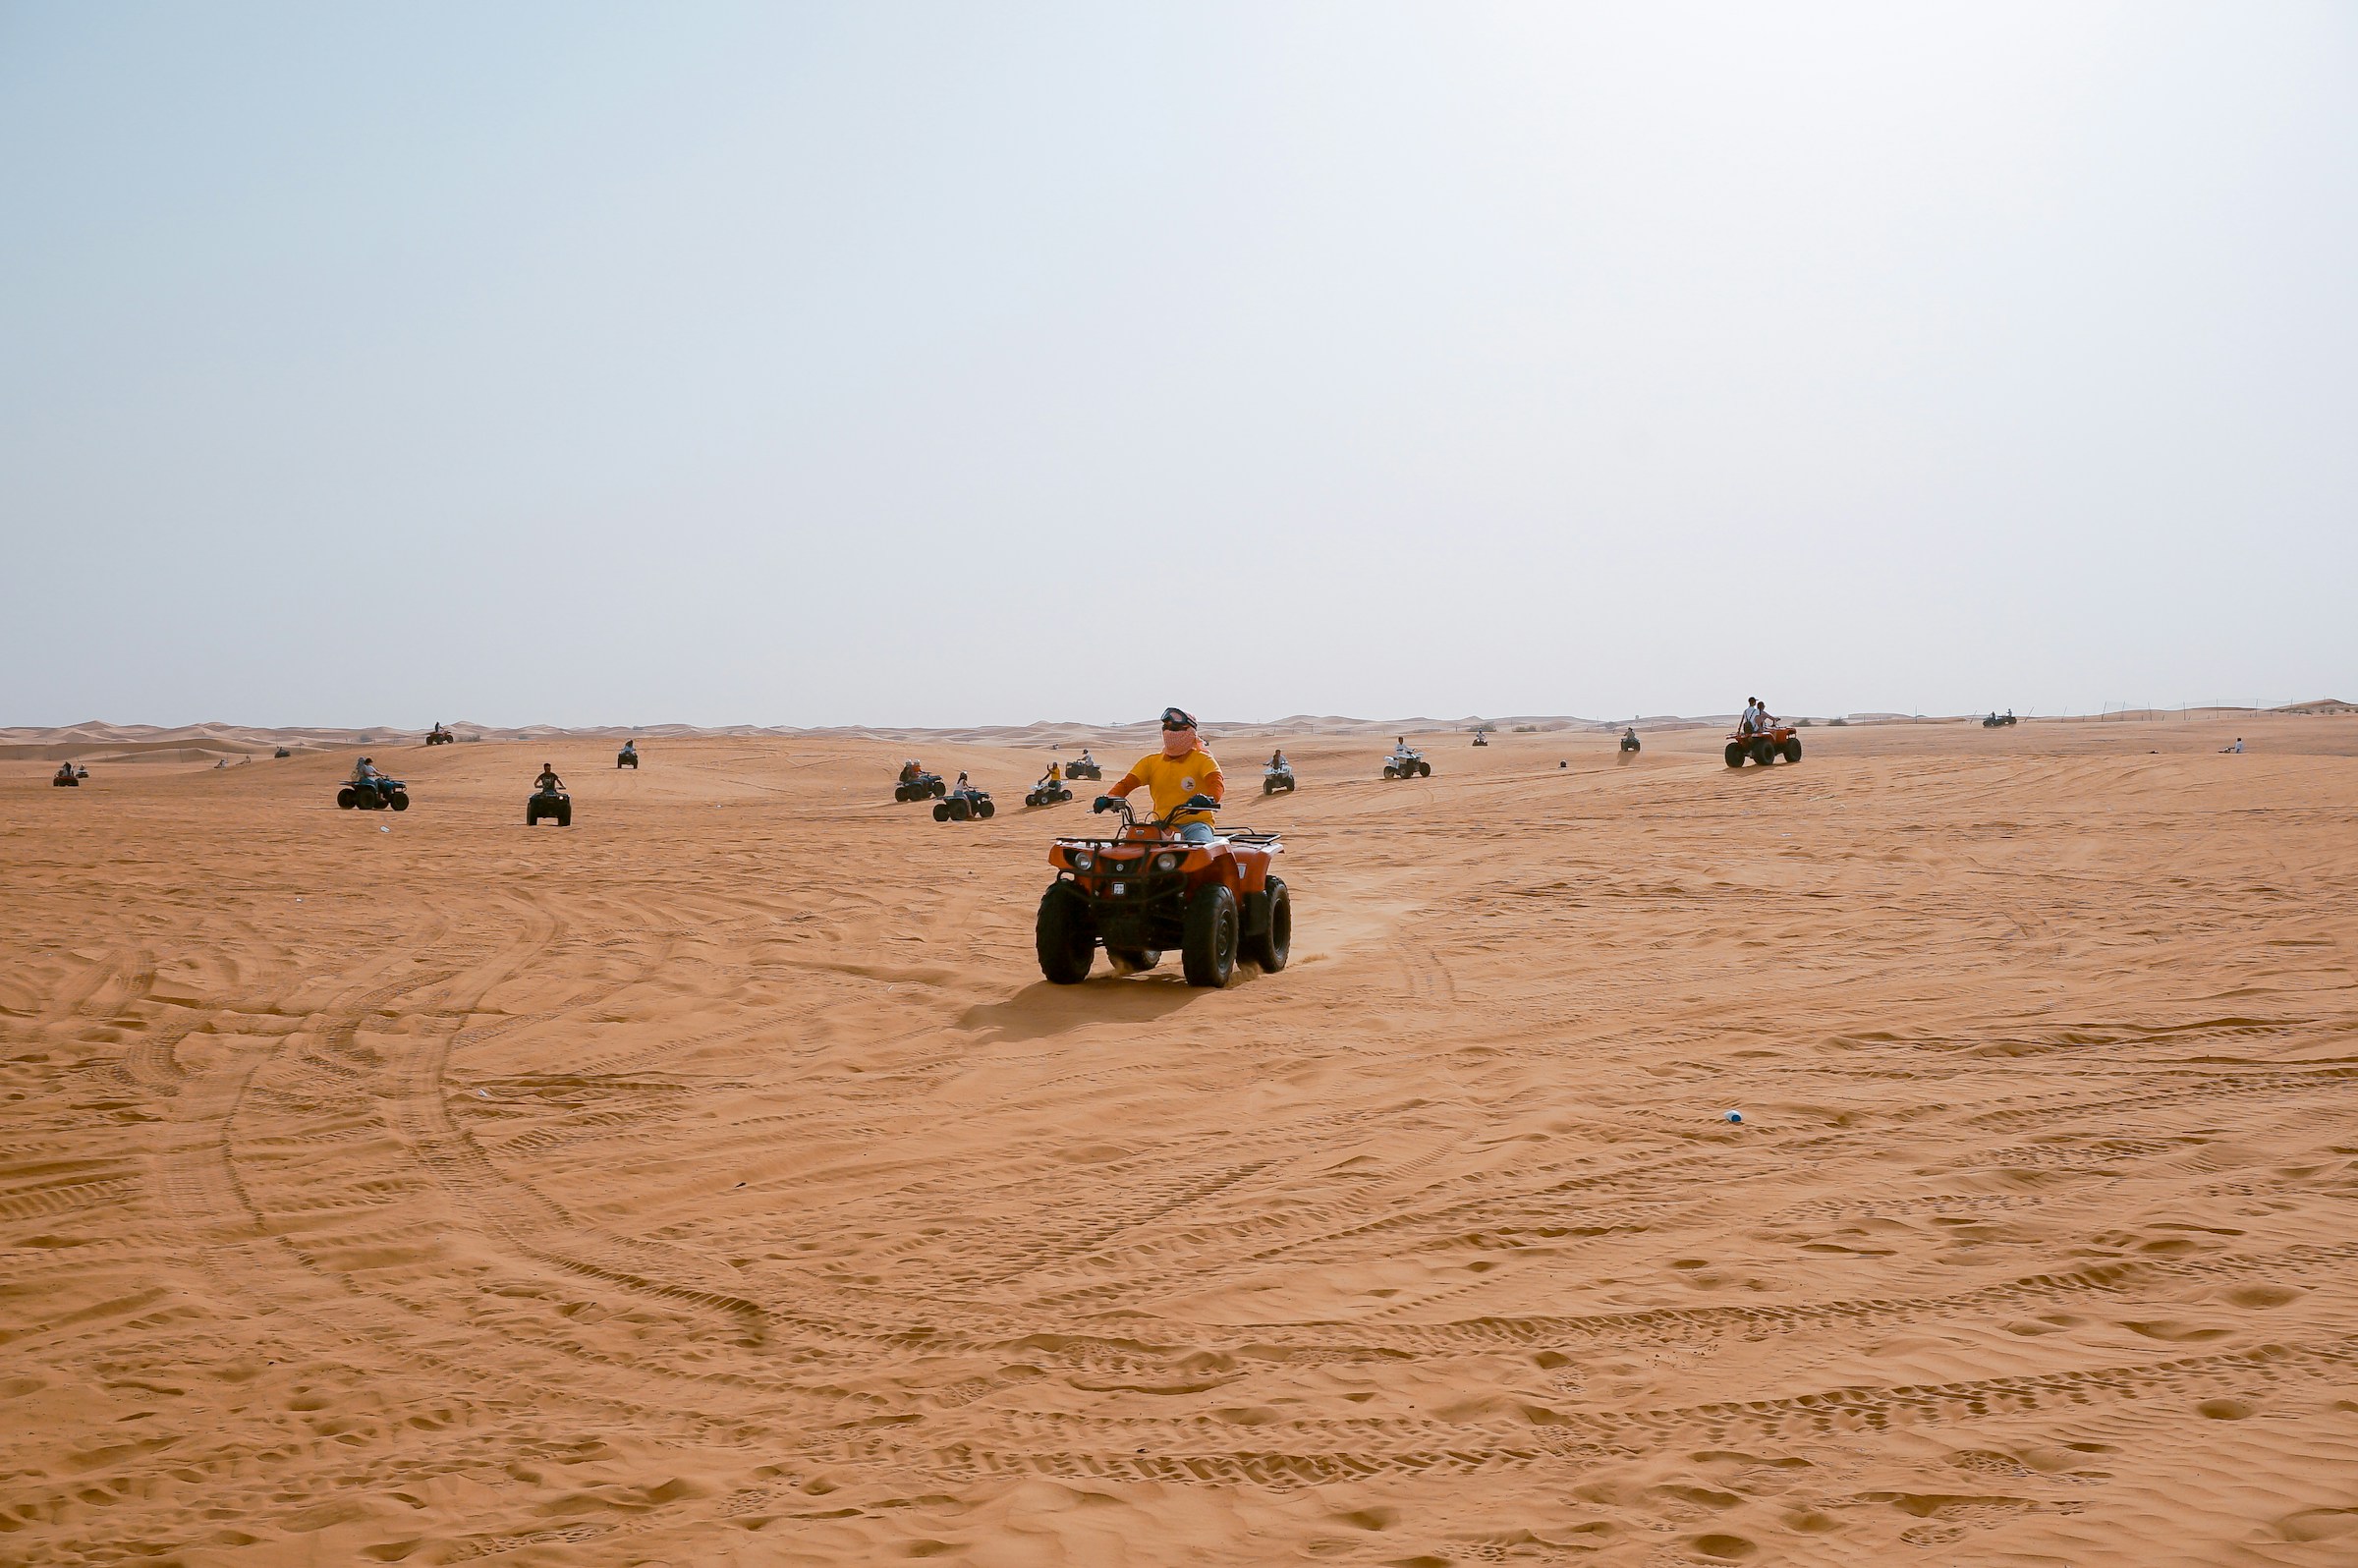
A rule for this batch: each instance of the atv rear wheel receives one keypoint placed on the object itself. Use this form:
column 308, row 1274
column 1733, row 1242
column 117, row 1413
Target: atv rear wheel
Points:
column 1793, row 749
column 1208, row 952
column 1065, row 936
column 345, row 799
column 1392, row 772
column 941, row 811
column 1736, row 754
column 1273, row 946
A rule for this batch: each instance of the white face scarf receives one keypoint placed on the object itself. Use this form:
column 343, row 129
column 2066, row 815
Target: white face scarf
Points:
column 1178, row 743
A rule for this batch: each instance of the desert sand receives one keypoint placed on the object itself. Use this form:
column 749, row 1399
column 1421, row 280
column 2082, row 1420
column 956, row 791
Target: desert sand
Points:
column 715, row 1182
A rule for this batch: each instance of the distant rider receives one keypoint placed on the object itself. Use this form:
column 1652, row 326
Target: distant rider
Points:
column 1630, row 733
column 630, row 748
column 1054, row 775
column 64, row 772
column 1175, row 776
column 548, row 779
column 909, row 771
column 364, row 771
column 1278, row 763
column 1084, row 759
column 2237, row 748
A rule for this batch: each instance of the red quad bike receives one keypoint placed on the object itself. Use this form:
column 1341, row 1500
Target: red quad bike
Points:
column 1763, row 747
column 1146, row 890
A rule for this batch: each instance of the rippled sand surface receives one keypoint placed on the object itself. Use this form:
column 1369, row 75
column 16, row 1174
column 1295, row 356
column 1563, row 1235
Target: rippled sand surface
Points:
column 715, row 1182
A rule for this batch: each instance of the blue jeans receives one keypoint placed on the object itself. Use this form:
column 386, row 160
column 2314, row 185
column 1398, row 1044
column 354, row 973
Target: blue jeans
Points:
column 1196, row 833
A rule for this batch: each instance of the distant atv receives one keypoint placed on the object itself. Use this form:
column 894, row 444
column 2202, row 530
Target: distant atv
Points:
column 628, row 757
column 924, row 787
column 1089, row 770
column 1144, row 891
column 1044, row 793
column 374, row 795
column 1629, row 743
column 1275, row 779
column 65, row 778
column 1997, row 720
column 965, row 805
column 1763, row 747
column 548, row 803
column 438, row 736
column 1407, row 764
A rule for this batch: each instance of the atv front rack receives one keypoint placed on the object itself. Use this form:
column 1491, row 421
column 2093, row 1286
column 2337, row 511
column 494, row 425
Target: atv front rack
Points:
column 1242, row 835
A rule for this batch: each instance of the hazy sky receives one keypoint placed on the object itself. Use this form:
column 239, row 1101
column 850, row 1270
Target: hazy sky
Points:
column 947, row 364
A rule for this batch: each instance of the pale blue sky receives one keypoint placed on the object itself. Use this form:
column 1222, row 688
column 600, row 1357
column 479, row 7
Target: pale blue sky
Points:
column 964, row 363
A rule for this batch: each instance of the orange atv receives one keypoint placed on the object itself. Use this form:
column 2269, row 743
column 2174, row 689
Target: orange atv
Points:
column 1146, row 890
column 1764, row 746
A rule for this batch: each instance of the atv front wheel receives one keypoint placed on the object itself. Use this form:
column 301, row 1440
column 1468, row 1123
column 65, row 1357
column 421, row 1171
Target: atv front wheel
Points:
column 532, row 813
column 564, row 813
column 1208, row 952
column 1424, row 770
column 939, row 789
column 1064, row 936
column 986, row 810
column 1793, row 749
column 1270, row 948
column 399, row 800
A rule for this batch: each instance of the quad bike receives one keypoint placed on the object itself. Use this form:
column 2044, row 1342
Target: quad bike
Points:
column 1765, row 747
column 65, row 778
column 924, row 787
column 282, row 752
column 1088, row 770
column 965, row 805
column 1044, row 793
column 438, row 736
column 548, row 803
column 1629, row 743
column 1997, row 720
column 1273, row 779
column 373, row 795
column 1407, row 764
column 1146, row 890
column 1480, row 738
column 628, row 757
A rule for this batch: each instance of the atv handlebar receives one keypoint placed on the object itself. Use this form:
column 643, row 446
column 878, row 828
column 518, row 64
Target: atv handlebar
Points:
column 1191, row 805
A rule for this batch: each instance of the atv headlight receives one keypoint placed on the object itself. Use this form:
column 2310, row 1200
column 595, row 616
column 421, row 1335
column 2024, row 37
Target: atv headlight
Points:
column 1167, row 861
column 1082, row 859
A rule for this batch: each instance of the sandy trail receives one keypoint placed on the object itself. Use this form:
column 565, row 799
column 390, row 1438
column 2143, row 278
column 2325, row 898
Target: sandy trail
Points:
column 716, row 1182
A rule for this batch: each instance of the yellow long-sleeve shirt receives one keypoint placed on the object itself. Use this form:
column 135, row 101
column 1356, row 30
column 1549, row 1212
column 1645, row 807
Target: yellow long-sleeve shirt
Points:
column 1171, row 780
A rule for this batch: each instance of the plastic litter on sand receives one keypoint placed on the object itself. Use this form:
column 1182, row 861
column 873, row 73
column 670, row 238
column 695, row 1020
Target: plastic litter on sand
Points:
column 1734, row 1116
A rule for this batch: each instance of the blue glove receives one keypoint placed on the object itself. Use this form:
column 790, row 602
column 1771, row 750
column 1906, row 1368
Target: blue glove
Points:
column 1108, row 802
column 1201, row 802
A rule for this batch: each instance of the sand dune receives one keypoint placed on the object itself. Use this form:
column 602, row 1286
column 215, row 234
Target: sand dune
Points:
column 715, row 1182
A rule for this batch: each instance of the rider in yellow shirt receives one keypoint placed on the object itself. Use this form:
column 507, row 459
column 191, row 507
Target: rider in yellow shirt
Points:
column 1175, row 776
